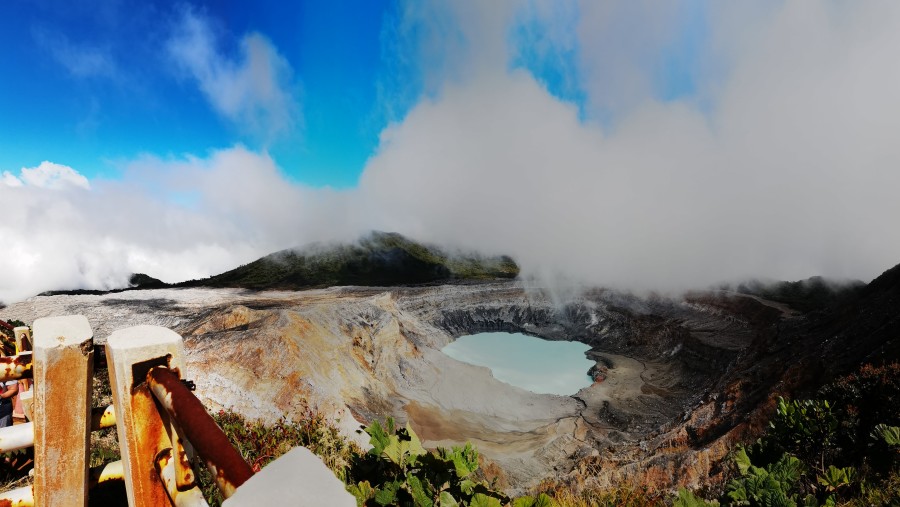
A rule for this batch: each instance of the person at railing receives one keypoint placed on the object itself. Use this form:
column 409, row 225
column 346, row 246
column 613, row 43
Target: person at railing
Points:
column 10, row 388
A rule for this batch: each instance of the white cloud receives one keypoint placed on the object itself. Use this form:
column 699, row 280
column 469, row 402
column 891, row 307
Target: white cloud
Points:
column 62, row 234
column 10, row 180
column 252, row 90
column 788, row 173
column 46, row 175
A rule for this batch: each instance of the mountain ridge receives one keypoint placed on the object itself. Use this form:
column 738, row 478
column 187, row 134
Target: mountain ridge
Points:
column 377, row 259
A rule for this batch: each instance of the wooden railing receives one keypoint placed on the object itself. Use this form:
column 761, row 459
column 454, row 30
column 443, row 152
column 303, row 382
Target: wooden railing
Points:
column 161, row 427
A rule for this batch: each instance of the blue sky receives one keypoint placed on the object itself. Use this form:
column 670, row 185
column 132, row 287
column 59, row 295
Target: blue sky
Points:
column 92, row 86
column 628, row 143
column 127, row 98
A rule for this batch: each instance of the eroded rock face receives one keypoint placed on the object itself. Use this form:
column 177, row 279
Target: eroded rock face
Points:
column 366, row 353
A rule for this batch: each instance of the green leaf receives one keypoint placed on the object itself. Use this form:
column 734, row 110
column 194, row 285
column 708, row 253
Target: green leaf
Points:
column 688, row 499
column 482, row 500
column 464, row 459
column 362, row 491
column 543, row 500
column 742, row 460
column 417, row 491
column 378, row 437
column 403, row 447
column 467, row 486
column 523, row 501
column 787, row 470
column 890, row 434
column 388, row 495
column 447, row 500
column 835, row 477
column 414, row 447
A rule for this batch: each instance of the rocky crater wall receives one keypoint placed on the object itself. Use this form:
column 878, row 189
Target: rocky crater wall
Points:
column 367, row 353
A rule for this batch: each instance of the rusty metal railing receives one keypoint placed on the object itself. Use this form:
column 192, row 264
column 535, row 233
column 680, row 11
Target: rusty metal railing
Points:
column 185, row 410
column 160, row 424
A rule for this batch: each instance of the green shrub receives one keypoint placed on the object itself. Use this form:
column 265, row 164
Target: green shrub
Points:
column 864, row 400
column 399, row 471
column 804, row 428
column 774, row 484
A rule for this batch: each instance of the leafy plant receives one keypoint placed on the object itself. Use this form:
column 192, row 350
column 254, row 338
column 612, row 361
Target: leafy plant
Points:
column 542, row 500
column 774, row 484
column 835, row 478
column 399, row 471
column 890, row 434
column 687, row 499
column 805, row 428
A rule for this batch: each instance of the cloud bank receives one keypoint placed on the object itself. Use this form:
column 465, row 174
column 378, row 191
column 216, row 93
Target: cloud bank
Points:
column 777, row 157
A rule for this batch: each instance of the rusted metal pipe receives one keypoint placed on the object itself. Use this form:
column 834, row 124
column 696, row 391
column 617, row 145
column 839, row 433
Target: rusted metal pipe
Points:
column 19, row 497
column 15, row 367
column 184, row 495
column 184, row 472
column 225, row 463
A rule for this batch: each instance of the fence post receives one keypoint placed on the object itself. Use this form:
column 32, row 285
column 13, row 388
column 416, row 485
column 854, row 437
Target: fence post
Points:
column 63, row 376
column 130, row 353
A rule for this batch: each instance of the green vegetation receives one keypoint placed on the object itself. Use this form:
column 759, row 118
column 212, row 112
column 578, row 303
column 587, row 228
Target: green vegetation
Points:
column 842, row 451
column 380, row 259
column 399, row 471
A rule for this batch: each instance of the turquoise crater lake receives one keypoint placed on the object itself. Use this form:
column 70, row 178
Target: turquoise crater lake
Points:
column 540, row 366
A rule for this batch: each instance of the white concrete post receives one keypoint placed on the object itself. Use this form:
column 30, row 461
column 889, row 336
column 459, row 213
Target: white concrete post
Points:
column 63, row 375
column 298, row 478
column 143, row 434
